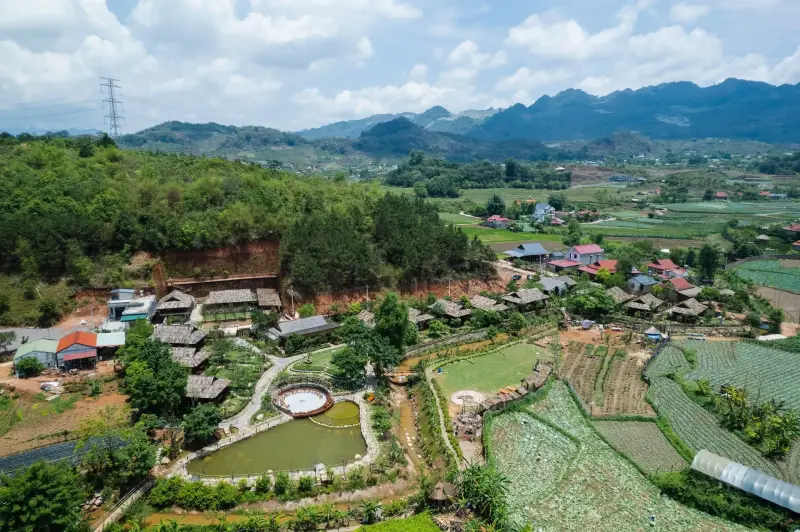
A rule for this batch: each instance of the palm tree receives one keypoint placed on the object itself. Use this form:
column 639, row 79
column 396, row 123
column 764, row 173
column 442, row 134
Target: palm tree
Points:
column 370, row 510
column 327, row 515
column 341, row 518
column 254, row 523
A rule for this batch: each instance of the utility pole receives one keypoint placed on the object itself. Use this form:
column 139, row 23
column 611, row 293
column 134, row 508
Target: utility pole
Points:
column 114, row 107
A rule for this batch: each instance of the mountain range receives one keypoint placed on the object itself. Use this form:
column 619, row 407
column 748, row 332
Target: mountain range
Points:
column 436, row 118
column 733, row 109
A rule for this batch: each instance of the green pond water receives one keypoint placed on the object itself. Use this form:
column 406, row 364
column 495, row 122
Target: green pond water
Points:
column 298, row 444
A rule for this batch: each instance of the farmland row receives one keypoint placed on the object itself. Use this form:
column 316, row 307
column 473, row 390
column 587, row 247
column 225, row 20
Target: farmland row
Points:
column 642, row 442
column 624, row 390
column 700, row 429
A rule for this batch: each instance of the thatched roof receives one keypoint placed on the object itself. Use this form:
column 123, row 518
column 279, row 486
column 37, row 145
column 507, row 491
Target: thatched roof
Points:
column 619, row 295
column 205, row 387
column 485, row 303
column 268, row 297
column 450, row 308
column 189, row 357
column 224, row 297
column 690, row 307
column 176, row 300
column 178, row 334
column 415, row 316
column 647, row 303
column 525, row 296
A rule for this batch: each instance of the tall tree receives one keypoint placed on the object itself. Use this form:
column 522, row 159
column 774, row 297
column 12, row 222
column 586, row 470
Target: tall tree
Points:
column 42, row 498
column 708, row 260
column 155, row 382
column 391, row 320
column 352, row 367
column 495, row 205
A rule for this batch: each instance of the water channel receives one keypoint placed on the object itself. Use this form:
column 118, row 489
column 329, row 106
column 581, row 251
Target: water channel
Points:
column 297, row 444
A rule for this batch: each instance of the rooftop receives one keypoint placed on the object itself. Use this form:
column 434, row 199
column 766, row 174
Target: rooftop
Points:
column 41, row 345
column 450, row 308
column 690, row 307
column 663, row 264
column 367, row 317
column 415, row 316
column 80, row 337
column 525, row 296
column 111, row 339
column 485, row 303
column 223, row 297
column 588, row 248
column 680, row 283
column 268, row 297
column 303, row 326
column 619, row 295
column 647, row 303
column 564, row 263
column 139, row 305
column 189, row 357
column 178, row 334
column 175, row 300
column 527, row 250
column 204, row 387
column 645, row 280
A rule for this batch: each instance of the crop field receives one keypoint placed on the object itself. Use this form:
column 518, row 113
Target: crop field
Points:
column 789, row 207
column 418, row 523
column 624, row 390
column 768, row 373
column 671, row 360
column 642, row 442
column 486, row 234
column 581, row 367
column 488, row 373
column 580, row 487
column 458, row 219
column 771, row 273
column 700, row 429
column 509, row 195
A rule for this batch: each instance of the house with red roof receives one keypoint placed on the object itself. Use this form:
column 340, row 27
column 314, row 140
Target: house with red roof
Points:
column 796, row 245
column 764, row 193
column 721, row 196
column 585, row 253
column 75, row 349
column 497, row 222
column 557, row 221
column 792, row 231
column 562, row 264
column 660, row 266
column 592, row 269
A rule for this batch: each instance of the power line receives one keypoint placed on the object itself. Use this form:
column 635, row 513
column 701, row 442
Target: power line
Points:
column 114, row 107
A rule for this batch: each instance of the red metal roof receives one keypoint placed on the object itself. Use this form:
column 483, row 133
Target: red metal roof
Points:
column 764, row 193
column 79, row 337
column 497, row 218
column 794, row 227
column 588, row 269
column 557, row 221
column 77, row 356
column 680, row 283
column 663, row 264
column 721, row 195
column 588, row 248
column 610, row 265
column 564, row 263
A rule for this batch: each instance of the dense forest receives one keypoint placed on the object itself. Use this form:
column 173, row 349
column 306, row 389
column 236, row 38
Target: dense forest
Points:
column 440, row 178
column 66, row 202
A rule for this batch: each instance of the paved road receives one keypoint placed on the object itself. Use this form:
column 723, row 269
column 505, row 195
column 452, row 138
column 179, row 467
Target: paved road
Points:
column 242, row 419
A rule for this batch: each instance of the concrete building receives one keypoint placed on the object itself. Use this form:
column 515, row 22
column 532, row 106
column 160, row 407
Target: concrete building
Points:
column 42, row 350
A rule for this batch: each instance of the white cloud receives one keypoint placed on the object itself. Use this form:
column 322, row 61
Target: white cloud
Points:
column 788, row 70
column 418, row 72
column 527, row 79
column 684, row 12
column 467, row 54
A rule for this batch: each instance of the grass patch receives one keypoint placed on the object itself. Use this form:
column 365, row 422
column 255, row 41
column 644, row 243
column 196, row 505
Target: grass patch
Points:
column 488, row 373
column 418, row 523
column 25, row 311
column 320, row 363
column 458, row 219
column 243, row 367
column 485, row 234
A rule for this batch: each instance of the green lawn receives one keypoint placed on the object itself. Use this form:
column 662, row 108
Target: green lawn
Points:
column 504, row 235
column 319, row 362
column 458, row 219
column 488, row 373
column 589, row 194
column 417, row 523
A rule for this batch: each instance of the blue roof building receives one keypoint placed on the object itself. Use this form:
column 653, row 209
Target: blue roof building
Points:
column 528, row 251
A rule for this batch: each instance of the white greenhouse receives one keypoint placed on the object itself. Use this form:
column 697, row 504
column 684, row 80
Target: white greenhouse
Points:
column 748, row 479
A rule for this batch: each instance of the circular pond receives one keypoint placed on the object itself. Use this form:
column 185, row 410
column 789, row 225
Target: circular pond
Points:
column 303, row 400
column 297, row 444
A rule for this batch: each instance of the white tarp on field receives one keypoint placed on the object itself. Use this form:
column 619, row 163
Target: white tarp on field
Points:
column 747, row 479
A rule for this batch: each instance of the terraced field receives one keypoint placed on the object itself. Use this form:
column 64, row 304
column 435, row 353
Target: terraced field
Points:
column 642, row 442
column 699, row 429
column 580, row 487
column 581, row 371
column 624, row 390
column 771, row 373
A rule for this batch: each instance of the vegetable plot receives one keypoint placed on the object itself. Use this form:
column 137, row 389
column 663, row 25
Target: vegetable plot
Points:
column 582, row 485
column 624, row 390
column 642, row 442
column 770, row 273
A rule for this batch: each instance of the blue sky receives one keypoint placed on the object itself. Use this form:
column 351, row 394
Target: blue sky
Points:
column 292, row 64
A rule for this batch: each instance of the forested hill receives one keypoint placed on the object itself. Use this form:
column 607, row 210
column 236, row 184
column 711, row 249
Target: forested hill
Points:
column 733, row 109
column 394, row 139
column 70, row 206
column 400, row 136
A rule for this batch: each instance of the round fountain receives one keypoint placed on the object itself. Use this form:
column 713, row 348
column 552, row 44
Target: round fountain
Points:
column 303, row 400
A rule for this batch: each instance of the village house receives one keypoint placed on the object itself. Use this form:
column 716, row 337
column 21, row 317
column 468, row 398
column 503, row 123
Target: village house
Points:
column 75, row 349
column 543, row 212
column 42, row 350
column 792, row 231
column 230, row 301
column 303, row 327
column 619, row 295
column 268, row 299
column 585, row 254
column 556, row 285
column 721, row 196
column 526, row 298
column 684, row 288
column 562, row 265
column 592, row 269
column 666, row 269
column 529, row 252
column 418, row 318
column 179, row 335
column 497, row 222
column 761, row 240
column 175, row 307
column 641, row 284
column 190, row 357
column 124, row 307
column 688, row 310
column 485, row 303
column 449, row 309
column 646, row 303
column 206, row 388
